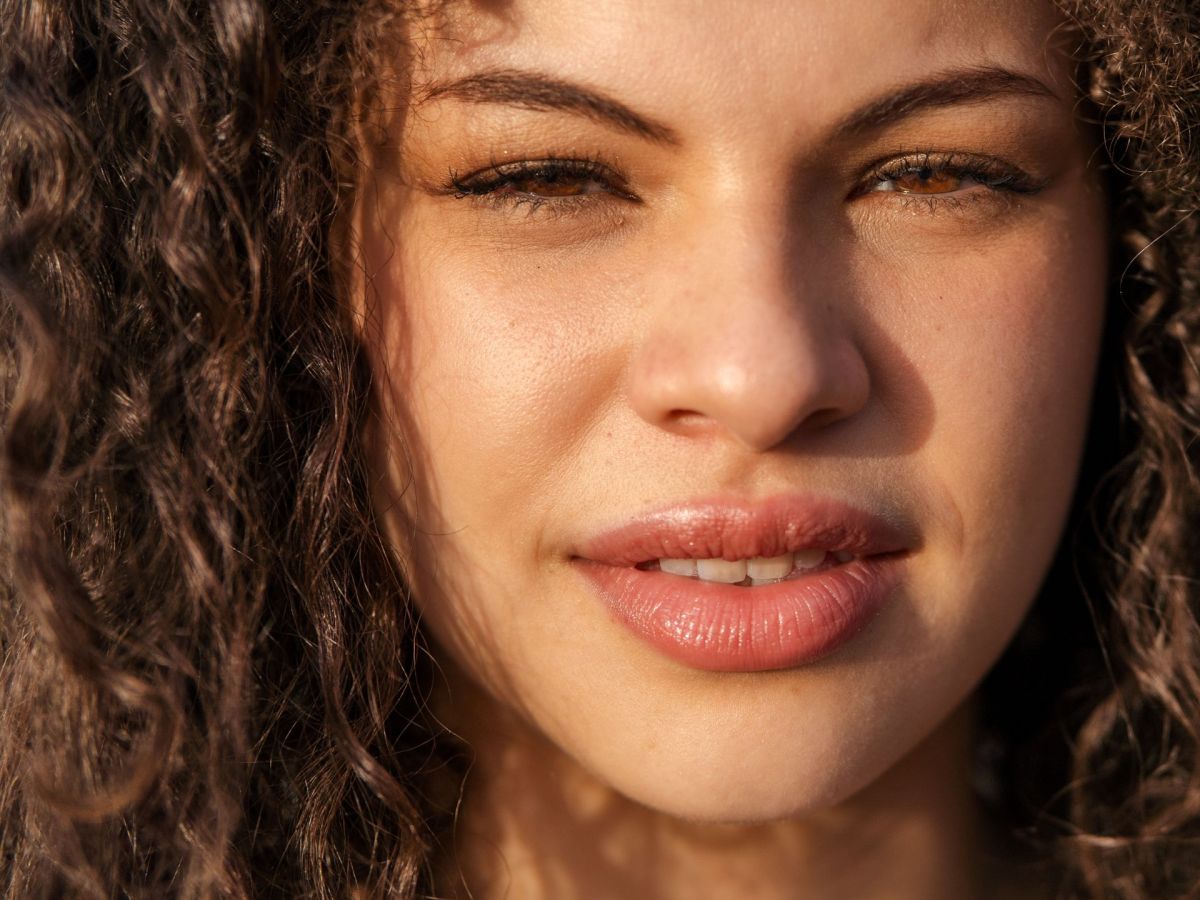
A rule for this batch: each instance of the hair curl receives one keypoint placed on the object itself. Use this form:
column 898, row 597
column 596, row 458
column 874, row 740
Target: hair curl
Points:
column 211, row 683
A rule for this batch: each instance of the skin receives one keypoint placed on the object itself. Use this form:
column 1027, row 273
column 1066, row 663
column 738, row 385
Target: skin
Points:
column 743, row 317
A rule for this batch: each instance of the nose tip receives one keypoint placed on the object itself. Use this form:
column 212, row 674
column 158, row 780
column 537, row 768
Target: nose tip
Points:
column 752, row 333
column 771, row 373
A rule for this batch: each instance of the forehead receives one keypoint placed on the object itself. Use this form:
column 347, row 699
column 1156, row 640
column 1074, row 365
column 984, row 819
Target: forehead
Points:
column 745, row 62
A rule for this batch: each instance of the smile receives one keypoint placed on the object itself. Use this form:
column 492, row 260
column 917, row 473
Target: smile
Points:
column 738, row 587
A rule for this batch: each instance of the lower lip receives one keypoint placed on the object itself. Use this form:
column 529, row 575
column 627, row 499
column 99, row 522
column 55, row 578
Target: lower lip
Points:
column 726, row 628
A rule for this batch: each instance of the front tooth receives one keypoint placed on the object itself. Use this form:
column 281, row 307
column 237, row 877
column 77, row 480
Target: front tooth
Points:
column 809, row 559
column 678, row 566
column 764, row 568
column 843, row 556
column 722, row 570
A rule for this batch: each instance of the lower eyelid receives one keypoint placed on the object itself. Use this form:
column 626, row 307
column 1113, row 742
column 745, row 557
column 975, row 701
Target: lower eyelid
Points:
column 597, row 212
column 979, row 197
column 601, row 199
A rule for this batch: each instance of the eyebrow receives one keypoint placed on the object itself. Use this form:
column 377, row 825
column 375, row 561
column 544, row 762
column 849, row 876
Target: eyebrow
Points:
column 541, row 92
column 535, row 91
column 953, row 87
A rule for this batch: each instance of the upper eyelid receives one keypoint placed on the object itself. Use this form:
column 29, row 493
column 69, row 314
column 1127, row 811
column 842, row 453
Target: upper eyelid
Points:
column 942, row 160
column 969, row 164
column 951, row 159
column 498, row 171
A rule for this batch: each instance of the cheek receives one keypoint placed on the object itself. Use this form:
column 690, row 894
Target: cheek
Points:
column 1007, row 349
column 502, row 367
column 1018, row 366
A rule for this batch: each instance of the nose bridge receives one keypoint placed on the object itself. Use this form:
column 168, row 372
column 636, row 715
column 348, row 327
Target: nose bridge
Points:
column 743, row 338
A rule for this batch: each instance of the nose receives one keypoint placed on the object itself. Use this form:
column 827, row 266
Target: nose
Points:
column 745, row 338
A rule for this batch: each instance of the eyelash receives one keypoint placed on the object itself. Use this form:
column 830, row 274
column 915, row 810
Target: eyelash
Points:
column 488, row 184
column 1001, row 182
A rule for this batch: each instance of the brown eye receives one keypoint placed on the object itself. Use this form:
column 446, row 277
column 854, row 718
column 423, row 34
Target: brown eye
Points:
column 948, row 176
column 538, row 182
column 927, row 180
column 553, row 184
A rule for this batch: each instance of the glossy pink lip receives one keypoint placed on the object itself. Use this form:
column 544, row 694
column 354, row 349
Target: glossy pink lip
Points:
column 730, row 628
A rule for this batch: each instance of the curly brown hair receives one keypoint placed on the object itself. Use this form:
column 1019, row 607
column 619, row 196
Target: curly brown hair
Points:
column 211, row 682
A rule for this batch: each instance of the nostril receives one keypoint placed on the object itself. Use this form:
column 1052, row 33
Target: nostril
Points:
column 823, row 417
column 687, row 420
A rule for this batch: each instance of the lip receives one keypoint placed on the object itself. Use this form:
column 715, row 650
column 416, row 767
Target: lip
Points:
column 728, row 628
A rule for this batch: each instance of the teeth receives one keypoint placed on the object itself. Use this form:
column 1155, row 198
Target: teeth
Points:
column 763, row 568
column 809, row 559
column 760, row 570
column 721, row 570
column 678, row 566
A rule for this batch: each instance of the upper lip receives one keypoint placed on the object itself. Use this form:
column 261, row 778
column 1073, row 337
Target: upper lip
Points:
column 738, row 529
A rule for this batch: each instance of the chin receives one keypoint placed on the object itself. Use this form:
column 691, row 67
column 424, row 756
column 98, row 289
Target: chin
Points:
column 755, row 779
column 792, row 748
column 712, row 798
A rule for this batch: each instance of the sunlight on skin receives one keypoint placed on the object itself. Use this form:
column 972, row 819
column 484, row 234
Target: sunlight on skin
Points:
column 732, row 264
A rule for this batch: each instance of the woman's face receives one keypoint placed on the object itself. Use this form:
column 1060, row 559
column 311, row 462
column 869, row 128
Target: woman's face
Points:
column 660, row 279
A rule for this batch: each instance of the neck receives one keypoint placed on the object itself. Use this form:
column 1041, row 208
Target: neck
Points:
column 535, row 825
